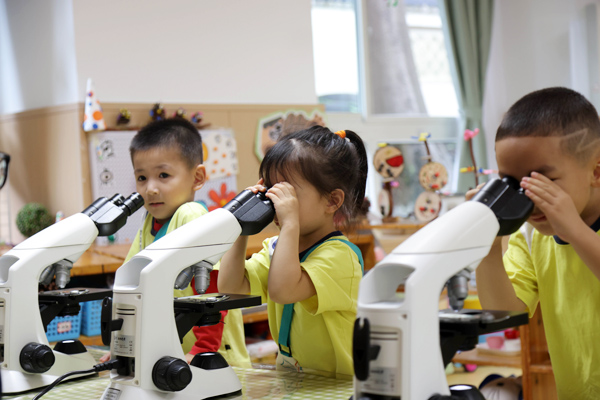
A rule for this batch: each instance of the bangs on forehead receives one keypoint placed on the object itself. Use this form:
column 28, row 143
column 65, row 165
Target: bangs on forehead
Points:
column 281, row 170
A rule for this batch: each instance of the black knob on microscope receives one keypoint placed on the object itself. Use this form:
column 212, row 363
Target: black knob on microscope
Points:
column 171, row 374
column 36, row 358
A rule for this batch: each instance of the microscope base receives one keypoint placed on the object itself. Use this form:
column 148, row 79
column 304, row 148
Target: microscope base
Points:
column 14, row 382
column 205, row 384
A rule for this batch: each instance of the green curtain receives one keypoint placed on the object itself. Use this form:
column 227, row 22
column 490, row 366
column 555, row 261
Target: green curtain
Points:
column 468, row 26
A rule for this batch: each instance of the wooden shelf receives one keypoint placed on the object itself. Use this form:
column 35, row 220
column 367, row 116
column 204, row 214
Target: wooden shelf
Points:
column 475, row 357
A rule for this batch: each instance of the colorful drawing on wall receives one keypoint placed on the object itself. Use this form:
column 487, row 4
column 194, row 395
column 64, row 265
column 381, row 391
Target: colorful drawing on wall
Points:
column 93, row 119
column 224, row 196
column 276, row 124
column 220, row 153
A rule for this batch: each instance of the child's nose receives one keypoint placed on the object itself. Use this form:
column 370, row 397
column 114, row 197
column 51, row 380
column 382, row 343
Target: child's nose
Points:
column 152, row 189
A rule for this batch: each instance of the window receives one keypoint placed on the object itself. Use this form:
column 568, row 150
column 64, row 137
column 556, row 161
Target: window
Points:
column 406, row 69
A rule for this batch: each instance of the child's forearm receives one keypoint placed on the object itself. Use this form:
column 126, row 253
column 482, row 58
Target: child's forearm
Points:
column 587, row 246
column 288, row 283
column 232, row 268
column 494, row 289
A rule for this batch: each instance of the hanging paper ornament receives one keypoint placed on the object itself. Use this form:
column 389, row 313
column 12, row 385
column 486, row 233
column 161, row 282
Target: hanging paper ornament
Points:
column 427, row 206
column 388, row 161
column 93, row 119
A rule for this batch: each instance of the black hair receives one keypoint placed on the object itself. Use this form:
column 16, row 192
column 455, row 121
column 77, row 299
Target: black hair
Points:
column 173, row 132
column 326, row 160
column 555, row 111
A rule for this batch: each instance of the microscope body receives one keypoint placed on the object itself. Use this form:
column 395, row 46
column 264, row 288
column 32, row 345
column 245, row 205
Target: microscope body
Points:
column 148, row 338
column 20, row 319
column 397, row 352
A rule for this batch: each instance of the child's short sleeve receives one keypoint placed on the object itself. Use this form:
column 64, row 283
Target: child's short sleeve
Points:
column 257, row 271
column 335, row 271
column 519, row 266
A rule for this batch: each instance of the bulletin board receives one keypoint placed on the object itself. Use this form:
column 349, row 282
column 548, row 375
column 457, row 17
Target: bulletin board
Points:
column 111, row 172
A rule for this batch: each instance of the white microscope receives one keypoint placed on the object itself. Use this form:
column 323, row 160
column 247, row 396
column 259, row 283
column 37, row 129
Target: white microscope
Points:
column 145, row 328
column 27, row 360
column 402, row 343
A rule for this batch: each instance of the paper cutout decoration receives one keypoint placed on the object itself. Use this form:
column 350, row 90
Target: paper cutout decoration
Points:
column 220, row 199
column 93, row 119
column 388, row 162
column 427, row 206
column 219, row 153
column 274, row 125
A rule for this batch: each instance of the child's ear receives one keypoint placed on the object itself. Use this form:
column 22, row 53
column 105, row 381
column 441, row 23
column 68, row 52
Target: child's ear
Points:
column 336, row 199
column 199, row 177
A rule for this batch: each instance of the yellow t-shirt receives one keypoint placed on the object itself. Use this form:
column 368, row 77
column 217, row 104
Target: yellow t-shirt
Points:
column 233, row 346
column 322, row 326
column 543, row 270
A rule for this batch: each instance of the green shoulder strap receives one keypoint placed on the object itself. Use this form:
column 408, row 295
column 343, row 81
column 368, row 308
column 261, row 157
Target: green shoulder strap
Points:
column 288, row 309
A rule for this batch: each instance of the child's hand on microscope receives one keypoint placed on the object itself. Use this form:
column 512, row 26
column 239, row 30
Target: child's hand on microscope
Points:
column 105, row 358
column 472, row 192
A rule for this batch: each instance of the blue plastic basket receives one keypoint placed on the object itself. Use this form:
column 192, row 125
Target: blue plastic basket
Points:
column 62, row 328
column 90, row 317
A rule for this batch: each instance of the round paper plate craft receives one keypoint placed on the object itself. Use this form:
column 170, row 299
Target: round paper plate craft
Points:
column 433, row 176
column 388, row 162
column 427, row 206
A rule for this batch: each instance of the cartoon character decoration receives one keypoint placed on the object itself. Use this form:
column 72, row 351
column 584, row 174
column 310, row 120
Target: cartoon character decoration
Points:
column 433, row 176
column 275, row 125
column 468, row 136
column 389, row 163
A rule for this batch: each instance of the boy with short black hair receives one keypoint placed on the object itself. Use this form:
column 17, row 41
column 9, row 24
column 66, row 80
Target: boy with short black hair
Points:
column 550, row 141
column 167, row 158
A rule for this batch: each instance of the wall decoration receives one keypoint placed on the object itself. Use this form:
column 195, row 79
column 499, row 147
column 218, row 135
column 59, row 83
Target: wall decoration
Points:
column 93, row 119
column 272, row 126
column 124, row 118
column 111, row 171
column 157, row 113
column 389, row 163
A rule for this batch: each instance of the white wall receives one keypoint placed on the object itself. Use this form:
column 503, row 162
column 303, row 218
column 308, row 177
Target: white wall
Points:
column 530, row 50
column 199, row 51
column 37, row 55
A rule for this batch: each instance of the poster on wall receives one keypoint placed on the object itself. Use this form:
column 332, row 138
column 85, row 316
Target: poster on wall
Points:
column 111, row 172
column 273, row 125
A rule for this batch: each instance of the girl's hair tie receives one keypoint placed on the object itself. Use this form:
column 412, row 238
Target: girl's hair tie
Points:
column 341, row 134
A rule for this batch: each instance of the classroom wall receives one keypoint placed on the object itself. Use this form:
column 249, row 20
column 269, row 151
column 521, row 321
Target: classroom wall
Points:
column 254, row 55
column 531, row 49
column 37, row 55
column 196, row 51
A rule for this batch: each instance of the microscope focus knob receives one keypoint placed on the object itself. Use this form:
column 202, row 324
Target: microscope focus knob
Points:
column 171, row 374
column 36, row 358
